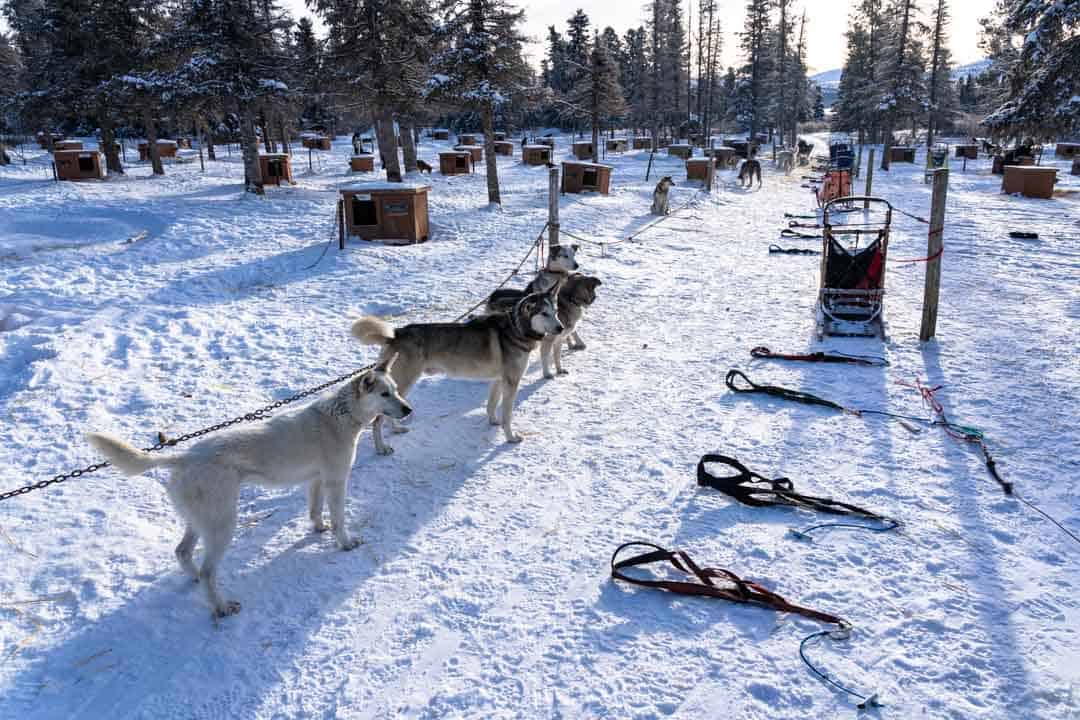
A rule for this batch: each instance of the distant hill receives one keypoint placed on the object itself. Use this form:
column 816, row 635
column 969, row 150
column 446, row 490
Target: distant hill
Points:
column 830, row 79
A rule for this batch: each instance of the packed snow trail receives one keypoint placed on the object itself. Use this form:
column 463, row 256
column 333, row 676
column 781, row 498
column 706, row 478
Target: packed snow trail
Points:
column 482, row 587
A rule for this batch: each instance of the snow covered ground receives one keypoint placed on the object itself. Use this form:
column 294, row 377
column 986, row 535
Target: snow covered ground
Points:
column 482, row 588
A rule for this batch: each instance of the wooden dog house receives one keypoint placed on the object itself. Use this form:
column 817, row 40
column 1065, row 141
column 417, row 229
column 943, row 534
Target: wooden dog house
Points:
column 504, row 147
column 1075, row 166
column 901, row 154
column 682, row 151
column 971, row 152
column 440, row 134
column 455, row 162
column 580, row 176
column 67, row 145
column 698, row 169
column 79, row 165
column 275, row 167
column 184, row 142
column 165, row 148
column 475, row 151
column 582, row 150
column 468, row 139
column 548, row 141
column 315, row 142
column 1067, row 150
column 663, row 142
column 642, row 142
column 397, row 212
column 536, row 154
column 364, row 162
column 616, row 145
column 742, row 148
column 723, row 155
column 1033, row 182
column 500, row 135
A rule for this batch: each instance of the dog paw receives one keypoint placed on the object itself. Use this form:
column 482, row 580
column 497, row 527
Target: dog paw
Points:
column 350, row 544
column 494, row 421
column 578, row 346
column 563, row 372
column 384, row 450
column 319, row 526
column 229, row 607
column 515, row 438
column 549, row 375
column 400, row 429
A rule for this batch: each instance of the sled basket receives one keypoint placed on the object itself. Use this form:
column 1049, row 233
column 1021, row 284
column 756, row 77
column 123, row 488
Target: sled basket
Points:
column 852, row 290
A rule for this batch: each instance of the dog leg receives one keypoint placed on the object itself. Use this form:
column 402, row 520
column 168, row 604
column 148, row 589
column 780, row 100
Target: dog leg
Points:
column 509, row 396
column 574, row 342
column 558, row 359
column 335, row 495
column 215, row 543
column 493, row 402
column 376, row 431
column 315, row 505
column 184, row 552
column 546, row 351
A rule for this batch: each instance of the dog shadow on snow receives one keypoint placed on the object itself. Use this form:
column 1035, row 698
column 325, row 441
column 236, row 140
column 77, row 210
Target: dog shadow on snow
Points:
column 161, row 642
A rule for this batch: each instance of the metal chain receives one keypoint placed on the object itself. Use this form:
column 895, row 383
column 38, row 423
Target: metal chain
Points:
column 252, row 416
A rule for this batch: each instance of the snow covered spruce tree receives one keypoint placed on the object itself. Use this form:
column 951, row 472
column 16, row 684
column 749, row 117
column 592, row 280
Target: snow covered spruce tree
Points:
column 941, row 102
column 598, row 95
column 859, row 98
column 753, row 77
column 904, row 69
column 481, row 67
column 634, row 75
column 378, row 52
column 1043, row 94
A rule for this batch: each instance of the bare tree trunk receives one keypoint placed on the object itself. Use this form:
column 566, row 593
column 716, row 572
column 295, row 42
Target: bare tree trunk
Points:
column 268, row 142
column 151, row 141
column 249, row 144
column 384, row 129
column 208, row 134
column 409, row 144
column 284, row 136
column 108, row 145
column 489, row 155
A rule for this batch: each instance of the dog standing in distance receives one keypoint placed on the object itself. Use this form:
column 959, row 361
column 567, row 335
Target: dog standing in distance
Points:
column 660, row 202
column 785, row 160
column 748, row 170
column 493, row 347
column 575, row 295
column 315, row 443
column 423, row 167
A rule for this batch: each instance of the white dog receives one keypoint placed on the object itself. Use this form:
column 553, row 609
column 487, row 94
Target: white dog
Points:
column 315, row 444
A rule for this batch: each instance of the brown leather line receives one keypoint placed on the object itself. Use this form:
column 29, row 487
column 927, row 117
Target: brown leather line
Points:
column 745, row 591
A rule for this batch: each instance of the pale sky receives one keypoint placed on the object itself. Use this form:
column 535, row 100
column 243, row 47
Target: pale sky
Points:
column 826, row 22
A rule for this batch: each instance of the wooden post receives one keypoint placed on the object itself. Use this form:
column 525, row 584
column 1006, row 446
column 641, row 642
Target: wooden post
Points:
column 341, row 223
column 934, row 243
column 858, row 162
column 710, row 174
column 869, row 178
column 309, row 151
column 648, row 169
column 553, row 208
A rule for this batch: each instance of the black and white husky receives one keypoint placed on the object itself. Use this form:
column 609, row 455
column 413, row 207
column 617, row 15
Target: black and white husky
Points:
column 561, row 261
column 575, row 295
column 492, row 347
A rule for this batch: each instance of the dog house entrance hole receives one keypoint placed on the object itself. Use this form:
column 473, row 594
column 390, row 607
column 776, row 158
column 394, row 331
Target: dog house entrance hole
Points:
column 363, row 211
column 86, row 164
column 461, row 163
column 275, row 168
column 589, row 178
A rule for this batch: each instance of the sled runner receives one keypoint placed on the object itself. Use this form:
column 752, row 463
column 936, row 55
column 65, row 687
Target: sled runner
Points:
column 851, row 297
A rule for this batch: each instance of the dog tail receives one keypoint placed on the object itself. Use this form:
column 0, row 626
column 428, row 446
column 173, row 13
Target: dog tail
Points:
column 129, row 460
column 372, row 331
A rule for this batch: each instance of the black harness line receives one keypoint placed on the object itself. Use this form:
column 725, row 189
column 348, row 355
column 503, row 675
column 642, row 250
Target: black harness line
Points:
column 763, row 353
column 732, row 588
column 750, row 488
column 775, row 249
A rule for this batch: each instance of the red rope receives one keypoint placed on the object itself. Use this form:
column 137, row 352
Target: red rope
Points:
column 935, row 256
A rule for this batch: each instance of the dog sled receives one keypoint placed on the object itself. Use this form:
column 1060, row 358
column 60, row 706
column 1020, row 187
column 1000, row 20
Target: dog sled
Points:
column 852, row 292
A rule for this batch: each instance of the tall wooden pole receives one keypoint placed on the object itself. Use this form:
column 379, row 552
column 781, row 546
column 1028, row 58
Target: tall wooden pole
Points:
column 553, row 208
column 869, row 178
column 934, row 244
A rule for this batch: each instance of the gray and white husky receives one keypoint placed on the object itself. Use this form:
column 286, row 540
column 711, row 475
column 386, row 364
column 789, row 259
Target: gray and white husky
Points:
column 660, row 202
column 561, row 261
column 575, row 295
column 492, row 347
column 315, row 444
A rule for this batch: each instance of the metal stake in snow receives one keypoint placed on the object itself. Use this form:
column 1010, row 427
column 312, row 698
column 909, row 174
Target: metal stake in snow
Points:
column 934, row 243
column 869, row 179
